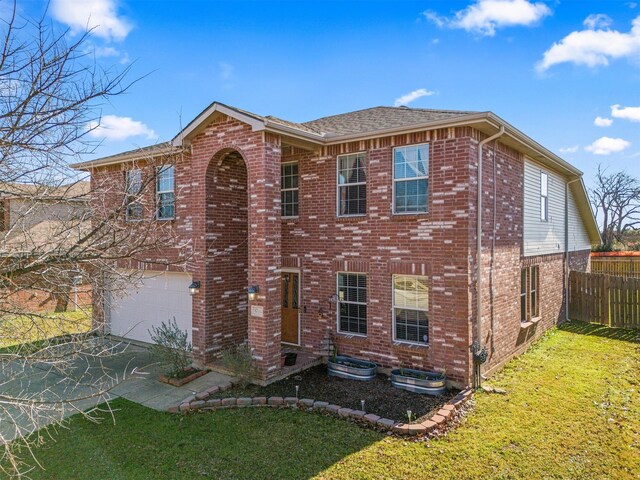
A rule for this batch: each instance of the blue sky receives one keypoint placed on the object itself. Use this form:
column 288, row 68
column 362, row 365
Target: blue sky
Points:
column 550, row 68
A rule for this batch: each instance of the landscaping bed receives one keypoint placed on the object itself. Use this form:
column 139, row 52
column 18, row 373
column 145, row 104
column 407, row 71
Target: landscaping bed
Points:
column 381, row 398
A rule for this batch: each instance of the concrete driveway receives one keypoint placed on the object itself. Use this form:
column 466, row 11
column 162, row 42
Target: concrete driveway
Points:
column 107, row 371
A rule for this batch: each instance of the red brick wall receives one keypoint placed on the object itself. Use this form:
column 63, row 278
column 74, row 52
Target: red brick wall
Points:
column 503, row 333
column 380, row 244
column 40, row 301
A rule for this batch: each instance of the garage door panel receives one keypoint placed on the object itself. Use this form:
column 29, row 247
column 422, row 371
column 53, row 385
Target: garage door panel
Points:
column 159, row 298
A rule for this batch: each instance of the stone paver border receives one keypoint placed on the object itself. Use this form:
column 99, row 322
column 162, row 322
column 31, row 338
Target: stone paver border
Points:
column 432, row 426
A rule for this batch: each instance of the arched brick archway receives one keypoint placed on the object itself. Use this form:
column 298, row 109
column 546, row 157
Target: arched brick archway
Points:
column 227, row 250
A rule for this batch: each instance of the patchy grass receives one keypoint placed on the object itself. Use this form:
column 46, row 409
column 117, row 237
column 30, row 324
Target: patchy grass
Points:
column 249, row 443
column 572, row 411
column 27, row 328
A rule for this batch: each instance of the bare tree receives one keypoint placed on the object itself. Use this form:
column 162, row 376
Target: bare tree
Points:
column 59, row 239
column 616, row 202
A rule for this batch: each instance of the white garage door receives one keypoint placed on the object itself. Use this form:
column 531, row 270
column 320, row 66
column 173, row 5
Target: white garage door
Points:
column 159, row 297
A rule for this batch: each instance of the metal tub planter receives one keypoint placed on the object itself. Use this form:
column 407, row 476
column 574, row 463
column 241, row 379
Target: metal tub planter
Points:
column 351, row 368
column 419, row 381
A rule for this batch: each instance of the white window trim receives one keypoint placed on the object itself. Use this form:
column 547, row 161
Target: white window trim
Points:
column 393, row 312
column 127, row 195
column 393, row 175
column 338, row 185
column 362, row 335
column 544, row 214
column 159, row 192
column 282, row 189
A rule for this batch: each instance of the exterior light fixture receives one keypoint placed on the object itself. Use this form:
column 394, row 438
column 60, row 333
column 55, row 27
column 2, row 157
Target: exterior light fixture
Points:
column 194, row 287
column 253, row 292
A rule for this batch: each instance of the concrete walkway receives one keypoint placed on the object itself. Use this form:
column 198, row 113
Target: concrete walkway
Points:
column 127, row 371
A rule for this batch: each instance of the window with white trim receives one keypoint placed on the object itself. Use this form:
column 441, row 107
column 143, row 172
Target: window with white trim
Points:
column 352, row 303
column 133, row 188
column 165, row 194
column 410, row 309
column 410, row 178
column 544, row 197
column 289, row 189
column 529, row 293
column 352, row 185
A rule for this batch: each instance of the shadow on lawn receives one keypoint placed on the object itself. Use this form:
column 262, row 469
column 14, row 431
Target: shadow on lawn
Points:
column 601, row 331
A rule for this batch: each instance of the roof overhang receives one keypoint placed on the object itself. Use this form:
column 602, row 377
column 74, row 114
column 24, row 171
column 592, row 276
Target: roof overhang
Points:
column 145, row 153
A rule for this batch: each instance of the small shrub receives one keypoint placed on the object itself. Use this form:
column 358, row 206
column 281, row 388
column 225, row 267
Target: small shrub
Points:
column 172, row 347
column 239, row 361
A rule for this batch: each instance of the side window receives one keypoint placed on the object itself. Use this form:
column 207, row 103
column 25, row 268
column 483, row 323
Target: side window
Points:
column 544, row 197
column 352, row 185
column 411, row 309
column 289, row 189
column 133, row 188
column 410, row 179
column 352, row 303
column 529, row 293
column 165, row 194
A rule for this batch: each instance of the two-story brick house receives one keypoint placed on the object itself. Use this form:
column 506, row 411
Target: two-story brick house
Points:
column 361, row 226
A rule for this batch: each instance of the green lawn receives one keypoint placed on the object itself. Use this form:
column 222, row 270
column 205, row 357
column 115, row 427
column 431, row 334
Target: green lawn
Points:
column 23, row 329
column 572, row 411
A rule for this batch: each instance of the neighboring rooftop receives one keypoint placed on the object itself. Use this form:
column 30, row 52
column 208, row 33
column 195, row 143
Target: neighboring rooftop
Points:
column 70, row 191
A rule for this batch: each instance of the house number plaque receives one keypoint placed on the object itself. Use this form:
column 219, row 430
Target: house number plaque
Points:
column 257, row 311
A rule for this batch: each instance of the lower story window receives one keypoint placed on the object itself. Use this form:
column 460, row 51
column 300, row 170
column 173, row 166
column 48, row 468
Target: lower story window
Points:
column 529, row 291
column 411, row 309
column 352, row 303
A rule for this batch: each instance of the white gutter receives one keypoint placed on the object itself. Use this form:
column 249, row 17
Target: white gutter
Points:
column 566, row 246
column 479, row 238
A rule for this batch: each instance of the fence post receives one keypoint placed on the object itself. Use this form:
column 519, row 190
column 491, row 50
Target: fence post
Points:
column 606, row 301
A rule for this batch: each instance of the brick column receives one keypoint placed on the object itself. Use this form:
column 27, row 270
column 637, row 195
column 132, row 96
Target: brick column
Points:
column 265, row 255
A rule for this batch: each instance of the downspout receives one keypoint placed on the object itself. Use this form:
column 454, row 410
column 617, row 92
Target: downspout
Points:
column 566, row 247
column 478, row 344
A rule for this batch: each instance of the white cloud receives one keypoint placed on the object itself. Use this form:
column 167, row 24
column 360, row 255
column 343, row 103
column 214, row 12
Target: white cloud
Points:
column 597, row 20
column 407, row 98
column 607, row 146
column 485, row 16
column 626, row 113
column 113, row 127
column 573, row 149
column 226, row 70
column 593, row 47
column 602, row 122
column 99, row 15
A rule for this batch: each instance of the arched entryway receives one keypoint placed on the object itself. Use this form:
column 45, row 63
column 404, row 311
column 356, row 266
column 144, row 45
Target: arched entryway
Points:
column 227, row 251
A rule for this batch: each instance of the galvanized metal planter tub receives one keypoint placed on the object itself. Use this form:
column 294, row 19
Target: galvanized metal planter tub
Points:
column 419, row 381
column 351, row 368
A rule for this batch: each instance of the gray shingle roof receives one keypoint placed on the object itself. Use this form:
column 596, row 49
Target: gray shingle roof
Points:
column 378, row 118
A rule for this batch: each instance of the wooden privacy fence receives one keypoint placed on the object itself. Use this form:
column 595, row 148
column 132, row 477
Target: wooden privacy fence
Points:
column 623, row 264
column 604, row 299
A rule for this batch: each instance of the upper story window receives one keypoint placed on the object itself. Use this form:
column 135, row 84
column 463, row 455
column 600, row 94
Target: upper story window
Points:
column 529, row 293
column 133, row 188
column 165, row 193
column 544, row 197
column 352, row 185
column 410, row 178
column 289, row 189
column 352, row 303
column 410, row 309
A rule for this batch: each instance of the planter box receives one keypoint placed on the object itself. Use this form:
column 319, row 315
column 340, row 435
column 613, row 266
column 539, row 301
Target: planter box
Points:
column 351, row 368
column 419, row 381
column 178, row 382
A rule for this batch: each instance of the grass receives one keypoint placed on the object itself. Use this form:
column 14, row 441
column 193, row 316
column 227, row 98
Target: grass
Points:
column 18, row 330
column 572, row 411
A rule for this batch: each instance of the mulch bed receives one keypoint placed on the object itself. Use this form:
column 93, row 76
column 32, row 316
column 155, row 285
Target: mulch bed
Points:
column 381, row 398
